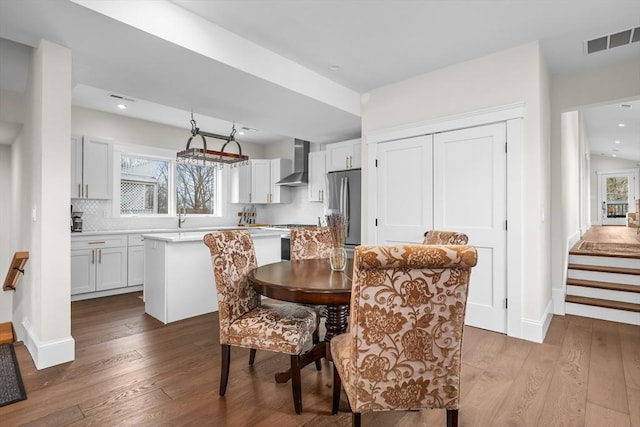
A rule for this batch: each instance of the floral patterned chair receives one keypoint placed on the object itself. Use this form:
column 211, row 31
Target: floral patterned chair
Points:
column 310, row 243
column 437, row 237
column 244, row 321
column 403, row 348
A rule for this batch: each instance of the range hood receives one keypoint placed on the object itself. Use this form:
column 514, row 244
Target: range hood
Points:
column 300, row 176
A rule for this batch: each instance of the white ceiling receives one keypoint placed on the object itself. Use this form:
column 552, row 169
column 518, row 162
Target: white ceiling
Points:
column 265, row 64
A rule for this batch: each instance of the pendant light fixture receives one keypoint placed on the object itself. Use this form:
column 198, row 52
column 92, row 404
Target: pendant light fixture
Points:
column 210, row 157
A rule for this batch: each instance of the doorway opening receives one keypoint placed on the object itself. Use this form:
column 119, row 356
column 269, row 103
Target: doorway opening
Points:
column 616, row 195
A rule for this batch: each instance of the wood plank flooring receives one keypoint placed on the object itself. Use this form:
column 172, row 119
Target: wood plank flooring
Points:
column 130, row 369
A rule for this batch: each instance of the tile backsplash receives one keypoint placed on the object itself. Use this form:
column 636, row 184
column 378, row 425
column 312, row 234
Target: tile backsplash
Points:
column 97, row 214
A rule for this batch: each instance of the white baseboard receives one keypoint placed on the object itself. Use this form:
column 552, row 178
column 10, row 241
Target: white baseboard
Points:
column 106, row 293
column 47, row 354
column 536, row 330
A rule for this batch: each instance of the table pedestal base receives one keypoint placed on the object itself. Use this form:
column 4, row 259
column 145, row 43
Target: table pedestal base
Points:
column 336, row 324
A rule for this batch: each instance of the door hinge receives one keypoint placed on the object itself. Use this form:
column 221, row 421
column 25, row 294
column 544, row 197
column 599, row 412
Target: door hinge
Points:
column 505, row 148
column 506, row 303
column 376, row 162
column 506, row 224
column 376, row 222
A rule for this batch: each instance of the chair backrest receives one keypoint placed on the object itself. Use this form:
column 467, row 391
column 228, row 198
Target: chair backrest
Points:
column 310, row 243
column 233, row 257
column 407, row 316
column 438, row 237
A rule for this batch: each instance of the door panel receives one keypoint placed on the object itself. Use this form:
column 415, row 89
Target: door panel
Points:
column 404, row 185
column 470, row 197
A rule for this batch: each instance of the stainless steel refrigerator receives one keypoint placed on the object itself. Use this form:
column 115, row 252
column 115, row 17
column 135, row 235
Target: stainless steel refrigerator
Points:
column 343, row 191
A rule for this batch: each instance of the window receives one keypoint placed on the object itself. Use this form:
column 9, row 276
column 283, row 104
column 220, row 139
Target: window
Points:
column 144, row 185
column 195, row 189
column 152, row 184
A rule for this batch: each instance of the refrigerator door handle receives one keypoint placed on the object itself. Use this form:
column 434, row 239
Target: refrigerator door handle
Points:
column 346, row 209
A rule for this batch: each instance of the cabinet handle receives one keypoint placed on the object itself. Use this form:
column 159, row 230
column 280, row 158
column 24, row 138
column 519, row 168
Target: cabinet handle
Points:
column 346, row 161
column 249, row 197
column 93, row 257
column 87, row 192
column 97, row 243
column 100, row 256
column 79, row 190
column 350, row 162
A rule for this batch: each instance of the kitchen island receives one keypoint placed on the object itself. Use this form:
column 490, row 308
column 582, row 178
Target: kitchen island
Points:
column 178, row 275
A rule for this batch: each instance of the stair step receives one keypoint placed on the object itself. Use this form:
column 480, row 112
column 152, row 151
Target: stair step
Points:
column 603, row 285
column 605, row 269
column 617, row 305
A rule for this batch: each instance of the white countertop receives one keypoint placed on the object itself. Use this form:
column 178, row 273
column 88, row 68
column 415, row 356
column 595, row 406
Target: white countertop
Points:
column 191, row 235
column 156, row 230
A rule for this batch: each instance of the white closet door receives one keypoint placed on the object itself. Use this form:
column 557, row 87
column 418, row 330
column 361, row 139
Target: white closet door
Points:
column 469, row 168
column 404, row 186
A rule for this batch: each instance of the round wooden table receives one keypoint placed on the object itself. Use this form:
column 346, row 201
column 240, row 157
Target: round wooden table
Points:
column 309, row 281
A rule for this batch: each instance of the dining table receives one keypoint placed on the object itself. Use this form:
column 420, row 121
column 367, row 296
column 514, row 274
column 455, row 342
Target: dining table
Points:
column 309, row 281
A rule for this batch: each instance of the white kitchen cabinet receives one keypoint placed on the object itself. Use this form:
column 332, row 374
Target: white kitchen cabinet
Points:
column 343, row 155
column 262, row 175
column 135, row 260
column 91, row 167
column 317, row 169
column 98, row 263
column 240, row 186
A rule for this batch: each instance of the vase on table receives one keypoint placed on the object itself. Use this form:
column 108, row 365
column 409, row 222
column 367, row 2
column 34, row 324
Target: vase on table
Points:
column 338, row 258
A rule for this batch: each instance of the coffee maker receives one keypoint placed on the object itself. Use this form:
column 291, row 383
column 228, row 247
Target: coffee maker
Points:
column 76, row 221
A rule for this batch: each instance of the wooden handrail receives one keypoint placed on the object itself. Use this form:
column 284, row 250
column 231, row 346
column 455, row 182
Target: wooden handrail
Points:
column 17, row 266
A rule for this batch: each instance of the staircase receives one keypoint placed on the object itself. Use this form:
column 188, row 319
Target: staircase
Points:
column 604, row 287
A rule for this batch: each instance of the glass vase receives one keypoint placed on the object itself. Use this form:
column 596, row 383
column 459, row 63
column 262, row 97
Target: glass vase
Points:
column 338, row 258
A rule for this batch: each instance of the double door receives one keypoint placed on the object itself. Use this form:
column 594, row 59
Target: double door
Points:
column 451, row 181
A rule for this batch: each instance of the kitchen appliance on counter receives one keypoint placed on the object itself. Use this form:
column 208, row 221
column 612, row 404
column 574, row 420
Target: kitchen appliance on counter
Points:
column 343, row 196
column 76, row 222
column 285, row 238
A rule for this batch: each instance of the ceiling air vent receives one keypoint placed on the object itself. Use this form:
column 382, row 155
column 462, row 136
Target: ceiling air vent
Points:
column 612, row 40
column 122, row 98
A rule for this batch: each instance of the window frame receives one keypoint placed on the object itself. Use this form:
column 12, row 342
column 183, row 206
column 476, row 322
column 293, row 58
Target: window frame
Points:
column 160, row 154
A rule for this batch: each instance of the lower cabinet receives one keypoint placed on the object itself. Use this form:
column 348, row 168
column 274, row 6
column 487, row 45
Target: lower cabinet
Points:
column 98, row 263
column 135, row 260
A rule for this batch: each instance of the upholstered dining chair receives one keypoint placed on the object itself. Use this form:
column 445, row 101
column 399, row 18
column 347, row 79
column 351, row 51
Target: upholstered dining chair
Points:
column 244, row 320
column 438, row 237
column 403, row 348
column 310, row 243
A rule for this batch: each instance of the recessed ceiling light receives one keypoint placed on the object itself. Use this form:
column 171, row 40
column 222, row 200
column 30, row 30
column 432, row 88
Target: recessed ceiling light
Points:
column 613, row 155
column 617, row 142
column 621, row 125
column 122, row 106
column 241, row 132
column 334, row 67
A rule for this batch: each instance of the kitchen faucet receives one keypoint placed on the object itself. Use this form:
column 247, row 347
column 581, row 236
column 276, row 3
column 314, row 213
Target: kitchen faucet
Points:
column 182, row 216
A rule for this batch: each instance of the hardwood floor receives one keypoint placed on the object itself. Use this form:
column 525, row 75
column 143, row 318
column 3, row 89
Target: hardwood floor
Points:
column 130, row 369
column 611, row 234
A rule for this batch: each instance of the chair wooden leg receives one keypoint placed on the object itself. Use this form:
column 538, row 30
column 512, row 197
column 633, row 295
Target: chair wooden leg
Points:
column 355, row 419
column 337, row 387
column 296, row 383
column 316, row 340
column 452, row 418
column 252, row 356
column 224, row 368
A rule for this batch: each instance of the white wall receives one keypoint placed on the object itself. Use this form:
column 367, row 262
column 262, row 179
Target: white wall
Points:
column 572, row 92
column 507, row 77
column 6, row 298
column 40, row 210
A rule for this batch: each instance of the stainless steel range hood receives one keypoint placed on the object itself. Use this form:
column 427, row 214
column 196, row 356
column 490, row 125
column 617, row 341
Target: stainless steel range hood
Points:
column 300, row 176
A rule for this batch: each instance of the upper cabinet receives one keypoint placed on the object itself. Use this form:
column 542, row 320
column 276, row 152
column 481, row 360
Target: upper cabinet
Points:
column 256, row 182
column 91, row 168
column 317, row 170
column 343, row 155
column 240, row 190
